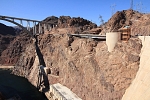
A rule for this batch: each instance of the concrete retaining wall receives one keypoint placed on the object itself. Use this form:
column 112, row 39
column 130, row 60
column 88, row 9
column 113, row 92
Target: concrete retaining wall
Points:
column 140, row 87
column 61, row 92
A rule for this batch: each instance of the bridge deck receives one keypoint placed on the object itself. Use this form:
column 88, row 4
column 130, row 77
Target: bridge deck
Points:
column 102, row 37
column 18, row 18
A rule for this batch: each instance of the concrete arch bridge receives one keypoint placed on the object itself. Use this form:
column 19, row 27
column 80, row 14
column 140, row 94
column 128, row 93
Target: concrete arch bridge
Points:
column 36, row 28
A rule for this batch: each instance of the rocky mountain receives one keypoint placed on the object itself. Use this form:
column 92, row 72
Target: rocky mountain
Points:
column 67, row 21
column 139, row 22
column 69, row 24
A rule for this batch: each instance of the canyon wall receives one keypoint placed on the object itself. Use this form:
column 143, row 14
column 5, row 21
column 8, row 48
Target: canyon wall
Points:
column 83, row 65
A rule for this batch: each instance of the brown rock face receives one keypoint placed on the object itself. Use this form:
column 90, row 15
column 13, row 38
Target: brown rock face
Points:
column 119, row 19
column 89, row 70
column 139, row 22
column 86, row 67
column 4, row 42
column 12, row 51
column 7, row 34
column 66, row 21
column 75, row 23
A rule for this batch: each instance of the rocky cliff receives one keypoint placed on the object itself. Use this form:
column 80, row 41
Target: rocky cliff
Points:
column 67, row 24
column 139, row 22
column 7, row 35
column 67, row 21
column 11, row 47
column 84, row 65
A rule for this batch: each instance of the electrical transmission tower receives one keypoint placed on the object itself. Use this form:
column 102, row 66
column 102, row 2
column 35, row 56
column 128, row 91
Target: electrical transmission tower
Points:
column 139, row 7
column 131, row 7
column 113, row 9
column 101, row 20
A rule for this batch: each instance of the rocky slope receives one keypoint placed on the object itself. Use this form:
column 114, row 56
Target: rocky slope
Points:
column 11, row 47
column 83, row 65
column 4, row 42
column 67, row 24
column 12, row 43
column 7, row 34
column 10, row 55
column 139, row 22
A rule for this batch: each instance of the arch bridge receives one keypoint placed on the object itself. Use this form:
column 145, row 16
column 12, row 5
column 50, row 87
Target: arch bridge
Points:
column 36, row 28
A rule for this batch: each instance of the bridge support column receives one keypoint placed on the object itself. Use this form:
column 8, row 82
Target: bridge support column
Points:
column 49, row 27
column 40, row 28
column 13, row 19
column 34, row 28
column 28, row 25
column 44, row 28
column 21, row 22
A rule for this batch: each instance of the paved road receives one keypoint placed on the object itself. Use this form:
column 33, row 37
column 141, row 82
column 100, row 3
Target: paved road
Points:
column 102, row 37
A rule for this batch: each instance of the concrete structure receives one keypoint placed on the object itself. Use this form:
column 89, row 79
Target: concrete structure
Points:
column 60, row 92
column 47, row 70
column 125, row 33
column 140, row 87
column 111, row 40
column 92, row 36
column 5, row 67
column 38, row 26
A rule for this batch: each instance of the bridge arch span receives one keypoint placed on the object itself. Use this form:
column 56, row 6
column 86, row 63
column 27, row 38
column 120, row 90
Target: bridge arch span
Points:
column 24, row 29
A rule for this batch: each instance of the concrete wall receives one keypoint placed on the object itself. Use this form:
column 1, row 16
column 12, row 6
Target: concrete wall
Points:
column 61, row 92
column 111, row 40
column 140, row 87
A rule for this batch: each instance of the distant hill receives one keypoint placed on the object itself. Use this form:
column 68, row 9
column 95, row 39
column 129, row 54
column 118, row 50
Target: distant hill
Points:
column 7, row 30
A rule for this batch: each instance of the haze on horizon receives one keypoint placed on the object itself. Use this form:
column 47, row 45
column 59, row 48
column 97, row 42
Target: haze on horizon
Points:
column 87, row 9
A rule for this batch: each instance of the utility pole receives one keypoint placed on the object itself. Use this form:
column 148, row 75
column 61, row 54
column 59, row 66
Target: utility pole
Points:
column 113, row 9
column 131, row 7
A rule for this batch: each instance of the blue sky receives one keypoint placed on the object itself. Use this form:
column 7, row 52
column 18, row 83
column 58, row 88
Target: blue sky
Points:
column 88, row 9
